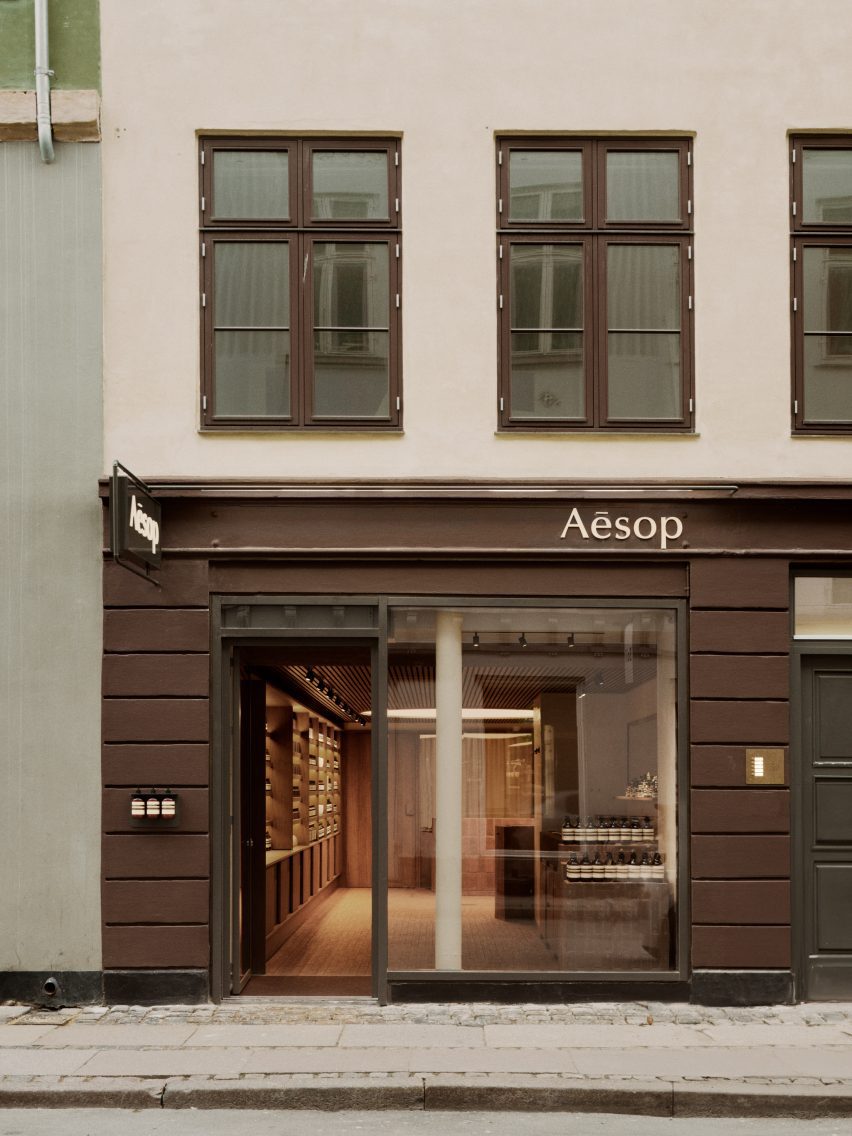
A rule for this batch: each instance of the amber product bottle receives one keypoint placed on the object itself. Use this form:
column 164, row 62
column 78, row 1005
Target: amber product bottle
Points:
column 137, row 804
column 168, row 805
column 585, row 867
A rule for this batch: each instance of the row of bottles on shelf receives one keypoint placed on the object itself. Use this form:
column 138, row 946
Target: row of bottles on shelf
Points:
column 620, row 866
column 608, row 830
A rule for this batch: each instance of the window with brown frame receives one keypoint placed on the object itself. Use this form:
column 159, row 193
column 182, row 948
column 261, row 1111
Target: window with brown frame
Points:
column 821, row 238
column 595, row 283
column 300, row 255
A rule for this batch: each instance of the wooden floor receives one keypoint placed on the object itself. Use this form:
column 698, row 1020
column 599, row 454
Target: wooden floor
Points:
column 335, row 945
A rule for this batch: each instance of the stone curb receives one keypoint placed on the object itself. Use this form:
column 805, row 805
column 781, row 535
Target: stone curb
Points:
column 447, row 1092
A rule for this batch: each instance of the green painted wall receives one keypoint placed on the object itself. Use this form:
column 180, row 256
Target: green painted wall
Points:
column 75, row 49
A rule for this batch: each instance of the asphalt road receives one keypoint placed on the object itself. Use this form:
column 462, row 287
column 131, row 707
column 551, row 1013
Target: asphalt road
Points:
column 151, row 1122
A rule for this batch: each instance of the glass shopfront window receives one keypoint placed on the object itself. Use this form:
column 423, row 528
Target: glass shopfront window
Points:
column 532, row 789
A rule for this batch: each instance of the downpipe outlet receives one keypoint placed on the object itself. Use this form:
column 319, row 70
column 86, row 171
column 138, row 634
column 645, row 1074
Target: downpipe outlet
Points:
column 43, row 75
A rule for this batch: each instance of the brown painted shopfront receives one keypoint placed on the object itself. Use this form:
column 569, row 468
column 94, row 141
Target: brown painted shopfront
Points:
column 727, row 562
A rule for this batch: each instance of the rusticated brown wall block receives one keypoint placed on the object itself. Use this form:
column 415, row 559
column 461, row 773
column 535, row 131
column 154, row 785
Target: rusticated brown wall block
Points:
column 741, row 901
column 746, row 947
column 740, row 810
column 751, row 723
column 740, row 857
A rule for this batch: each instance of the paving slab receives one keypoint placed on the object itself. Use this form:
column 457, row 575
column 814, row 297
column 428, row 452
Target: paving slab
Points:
column 8, row 1013
column 412, row 1036
column 672, row 1063
column 317, row 1093
column 549, row 1036
column 162, row 1062
column 23, row 1035
column 328, row 1060
column 253, row 1036
column 42, row 1062
column 108, row 1036
column 822, row 1062
column 492, row 1061
column 786, row 1035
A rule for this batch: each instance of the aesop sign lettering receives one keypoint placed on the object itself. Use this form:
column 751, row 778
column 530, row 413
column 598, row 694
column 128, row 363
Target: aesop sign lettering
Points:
column 136, row 522
column 144, row 524
column 603, row 527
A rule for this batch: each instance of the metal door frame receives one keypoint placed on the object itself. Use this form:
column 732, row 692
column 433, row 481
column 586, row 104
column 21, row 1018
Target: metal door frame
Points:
column 802, row 652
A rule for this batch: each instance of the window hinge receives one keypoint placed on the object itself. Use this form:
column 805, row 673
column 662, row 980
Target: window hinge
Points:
column 396, row 204
column 204, row 248
column 202, row 157
column 204, row 402
column 689, row 252
column 398, row 403
column 396, row 157
column 690, row 303
column 794, row 155
column 689, row 157
column 397, row 252
column 795, row 304
column 499, row 204
column 691, row 406
column 204, row 299
column 795, row 406
column 795, row 254
column 794, row 208
column 203, row 204
column 689, row 206
column 501, row 404
column 499, row 157
column 501, row 252
column 397, row 299
column 501, row 302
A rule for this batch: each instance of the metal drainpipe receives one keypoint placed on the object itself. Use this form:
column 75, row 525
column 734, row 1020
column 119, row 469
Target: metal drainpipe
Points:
column 42, row 78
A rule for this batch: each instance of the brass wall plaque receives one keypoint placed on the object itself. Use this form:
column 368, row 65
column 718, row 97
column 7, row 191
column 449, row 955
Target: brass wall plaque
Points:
column 765, row 767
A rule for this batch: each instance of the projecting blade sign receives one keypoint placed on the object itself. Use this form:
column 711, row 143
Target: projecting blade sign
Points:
column 136, row 519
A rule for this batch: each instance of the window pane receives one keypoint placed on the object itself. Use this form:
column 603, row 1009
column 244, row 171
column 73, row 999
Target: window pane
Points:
column 545, row 185
column 823, row 606
column 547, row 286
column 350, row 184
column 251, row 185
column 642, row 185
column 827, row 184
column 828, row 378
column 533, row 790
column 827, row 289
column 547, row 375
column 643, row 374
column 351, row 284
column 252, row 284
column 351, row 376
column 643, row 287
column 251, row 374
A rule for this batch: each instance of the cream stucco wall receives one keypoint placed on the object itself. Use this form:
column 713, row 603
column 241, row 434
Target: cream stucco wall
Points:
column 447, row 75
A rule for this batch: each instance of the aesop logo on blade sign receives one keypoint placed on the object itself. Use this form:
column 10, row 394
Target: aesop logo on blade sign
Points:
column 602, row 526
column 136, row 522
column 144, row 524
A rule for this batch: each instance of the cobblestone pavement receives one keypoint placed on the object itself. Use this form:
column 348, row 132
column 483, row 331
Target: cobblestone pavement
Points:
column 248, row 1011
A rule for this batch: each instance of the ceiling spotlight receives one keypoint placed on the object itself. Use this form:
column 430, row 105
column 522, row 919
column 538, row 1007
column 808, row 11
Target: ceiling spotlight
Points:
column 310, row 676
column 522, row 639
column 476, row 639
column 569, row 639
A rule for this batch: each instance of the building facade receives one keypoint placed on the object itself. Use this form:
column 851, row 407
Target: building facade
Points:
column 489, row 368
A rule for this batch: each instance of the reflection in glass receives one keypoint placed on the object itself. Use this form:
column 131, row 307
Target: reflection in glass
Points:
column 547, row 372
column 643, row 287
column 642, row 185
column 827, row 276
column 251, row 375
column 351, row 336
column 561, row 832
column 828, row 379
column 252, row 284
column 827, row 186
column 545, row 185
column 349, row 184
column 351, row 377
column 251, row 185
column 823, row 607
column 643, row 376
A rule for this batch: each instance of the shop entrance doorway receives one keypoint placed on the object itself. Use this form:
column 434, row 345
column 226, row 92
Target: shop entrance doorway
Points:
column 826, row 827
column 304, row 908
